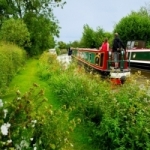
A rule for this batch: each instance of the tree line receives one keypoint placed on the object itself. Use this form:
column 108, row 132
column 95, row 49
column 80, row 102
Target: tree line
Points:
column 134, row 26
column 32, row 25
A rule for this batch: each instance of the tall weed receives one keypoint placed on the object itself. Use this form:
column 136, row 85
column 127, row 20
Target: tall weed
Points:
column 115, row 118
column 12, row 59
column 30, row 122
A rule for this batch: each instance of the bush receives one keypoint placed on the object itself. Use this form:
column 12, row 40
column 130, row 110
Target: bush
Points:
column 30, row 122
column 15, row 31
column 125, row 122
column 12, row 59
column 115, row 118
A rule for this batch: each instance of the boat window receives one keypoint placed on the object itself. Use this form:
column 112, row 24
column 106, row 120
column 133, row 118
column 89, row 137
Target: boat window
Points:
column 128, row 44
column 132, row 44
column 90, row 56
column 101, row 60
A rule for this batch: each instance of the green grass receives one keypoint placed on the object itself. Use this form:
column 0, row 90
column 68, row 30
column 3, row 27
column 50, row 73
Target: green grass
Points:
column 25, row 79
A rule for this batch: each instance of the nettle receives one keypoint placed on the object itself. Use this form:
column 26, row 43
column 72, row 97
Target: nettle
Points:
column 30, row 122
column 125, row 118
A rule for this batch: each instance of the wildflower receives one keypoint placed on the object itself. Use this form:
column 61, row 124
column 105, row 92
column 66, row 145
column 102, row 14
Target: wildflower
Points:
column 9, row 141
column 4, row 128
column 34, row 121
column 31, row 139
column 5, row 112
column 24, row 144
column 18, row 92
column 1, row 103
column 71, row 144
column 18, row 98
column 35, row 148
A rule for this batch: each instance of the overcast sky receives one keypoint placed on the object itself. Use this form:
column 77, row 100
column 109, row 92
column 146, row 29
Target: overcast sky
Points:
column 95, row 13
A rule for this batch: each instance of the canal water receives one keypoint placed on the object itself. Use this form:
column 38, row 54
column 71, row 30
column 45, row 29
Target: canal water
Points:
column 145, row 74
column 64, row 59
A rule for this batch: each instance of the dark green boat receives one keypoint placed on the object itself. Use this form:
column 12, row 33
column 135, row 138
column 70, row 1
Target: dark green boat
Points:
column 138, row 55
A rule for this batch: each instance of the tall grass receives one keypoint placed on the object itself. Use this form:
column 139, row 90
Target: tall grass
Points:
column 12, row 59
column 114, row 118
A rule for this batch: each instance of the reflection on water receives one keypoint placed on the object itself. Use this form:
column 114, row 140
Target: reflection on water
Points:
column 64, row 59
column 142, row 79
column 145, row 73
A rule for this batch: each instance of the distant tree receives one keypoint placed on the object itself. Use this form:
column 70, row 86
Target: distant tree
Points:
column 62, row 45
column 74, row 44
column 134, row 26
column 88, row 39
column 15, row 31
column 93, row 39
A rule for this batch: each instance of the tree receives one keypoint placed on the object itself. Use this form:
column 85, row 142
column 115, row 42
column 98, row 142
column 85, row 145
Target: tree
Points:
column 134, row 26
column 15, row 31
column 74, row 44
column 42, row 32
column 93, row 39
column 62, row 45
column 39, row 18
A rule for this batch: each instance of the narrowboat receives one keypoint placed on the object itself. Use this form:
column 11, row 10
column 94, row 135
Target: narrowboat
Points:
column 138, row 55
column 103, row 62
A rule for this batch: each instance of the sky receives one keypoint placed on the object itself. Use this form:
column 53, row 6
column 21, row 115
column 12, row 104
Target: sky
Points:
column 95, row 13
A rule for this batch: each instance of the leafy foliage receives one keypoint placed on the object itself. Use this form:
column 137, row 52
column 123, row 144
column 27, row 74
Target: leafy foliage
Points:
column 39, row 19
column 134, row 27
column 15, row 31
column 114, row 118
column 12, row 59
column 23, row 126
column 42, row 31
column 94, row 39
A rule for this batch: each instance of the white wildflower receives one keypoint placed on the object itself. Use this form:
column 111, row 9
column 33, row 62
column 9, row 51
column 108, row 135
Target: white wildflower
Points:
column 31, row 139
column 9, row 141
column 18, row 98
column 34, row 121
column 35, row 148
column 71, row 144
column 1, row 103
column 24, row 144
column 5, row 112
column 4, row 128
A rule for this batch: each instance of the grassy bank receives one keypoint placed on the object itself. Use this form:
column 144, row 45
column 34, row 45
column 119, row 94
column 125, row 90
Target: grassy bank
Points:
column 94, row 116
column 24, row 80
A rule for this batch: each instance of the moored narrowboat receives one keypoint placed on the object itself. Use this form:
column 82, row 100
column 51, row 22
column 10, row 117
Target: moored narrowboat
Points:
column 138, row 55
column 103, row 62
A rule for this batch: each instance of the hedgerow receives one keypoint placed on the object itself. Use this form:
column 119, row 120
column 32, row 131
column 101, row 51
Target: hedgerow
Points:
column 12, row 59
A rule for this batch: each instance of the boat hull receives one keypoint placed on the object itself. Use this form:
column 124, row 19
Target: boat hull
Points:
column 139, row 58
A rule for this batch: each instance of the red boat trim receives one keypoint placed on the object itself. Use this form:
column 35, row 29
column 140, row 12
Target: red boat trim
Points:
column 94, row 66
column 87, row 50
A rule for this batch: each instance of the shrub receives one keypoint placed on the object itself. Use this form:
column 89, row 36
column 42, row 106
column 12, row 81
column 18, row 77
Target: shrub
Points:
column 12, row 59
column 15, row 31
column 115, row 118
column 30, row 122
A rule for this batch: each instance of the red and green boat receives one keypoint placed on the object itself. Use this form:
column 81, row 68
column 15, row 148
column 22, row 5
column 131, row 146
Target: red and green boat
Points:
column 103, row 62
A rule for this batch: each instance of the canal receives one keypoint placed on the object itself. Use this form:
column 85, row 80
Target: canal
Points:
column 145, row 74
